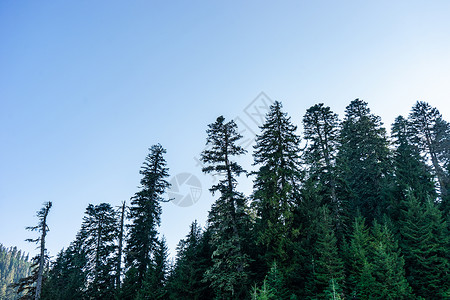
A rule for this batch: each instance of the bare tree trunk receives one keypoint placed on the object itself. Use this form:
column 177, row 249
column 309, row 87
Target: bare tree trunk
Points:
column 119, row 261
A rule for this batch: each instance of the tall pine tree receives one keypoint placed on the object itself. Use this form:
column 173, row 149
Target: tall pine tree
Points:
column 364, row 161
column 276, row 184
column 227, row 219
column 145, row 216
column 98, row 233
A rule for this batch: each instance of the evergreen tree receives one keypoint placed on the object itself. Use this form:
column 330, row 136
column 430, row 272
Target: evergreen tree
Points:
column 67, row 277
column 273, row 287
column 360, row 282
column 227, row 219
column 276, row 184
column 424, row 243
column 432, row 135
column 192, row 261
column 328, row 268
column 321, row 131
column 364, row 161
column 154, row 285
column 14, row 265
column 388, row 266
column 98, row 233
column 410, row 169
column 31, row 286
column 145, row 216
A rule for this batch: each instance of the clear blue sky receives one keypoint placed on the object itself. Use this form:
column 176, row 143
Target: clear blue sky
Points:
column 87, row 86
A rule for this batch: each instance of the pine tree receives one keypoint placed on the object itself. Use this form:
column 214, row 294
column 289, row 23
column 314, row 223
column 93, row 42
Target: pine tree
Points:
column 67, row 277
column 145, row 215
column 98, row 233
column 363, row 161
column 388, row 266
column 192, row 261
column 411, row 172
column 360, row 280
column 321, row 131
column 31, row 286
column 277, row 182
column 154, row 285
column 328, row 270
column 424, row 243
column 273, row 287
column 227, row 219
column 432, row 135
column 14, row 265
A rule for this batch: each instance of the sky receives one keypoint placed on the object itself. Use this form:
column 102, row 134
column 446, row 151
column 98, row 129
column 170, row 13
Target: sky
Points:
column 86, row 87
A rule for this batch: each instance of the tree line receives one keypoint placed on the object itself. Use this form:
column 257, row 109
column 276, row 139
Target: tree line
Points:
column 343, row 211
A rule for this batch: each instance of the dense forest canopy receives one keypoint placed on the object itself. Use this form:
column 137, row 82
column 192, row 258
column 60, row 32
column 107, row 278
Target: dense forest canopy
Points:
column 343, row 211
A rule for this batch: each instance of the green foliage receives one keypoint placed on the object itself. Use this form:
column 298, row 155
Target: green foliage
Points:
column 276, row 184
column 14, row 265
column 193, row 259
column 67, row 277
column 354, row 221
column 145, row 216
column 98, row 234
column 328, row 268
column 363, row 161
column 227, row 219
column 273, row 287
column 424, row 242
column 432, row 136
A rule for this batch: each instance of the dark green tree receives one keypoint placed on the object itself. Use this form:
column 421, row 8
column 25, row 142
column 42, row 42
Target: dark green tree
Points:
column 228, row 220
column 360, row 280
column 145, row 217
column 98, row 232
column 277, row 182
column 192, row 261
column 363, row 161
column 424, row 242
column 31, row 286
column 328, row 268
column 432, row 135
column 154, row 285
column 67, row 277
column 388, row 266
column 273, row 287
column 409, row 168
column 321, row 131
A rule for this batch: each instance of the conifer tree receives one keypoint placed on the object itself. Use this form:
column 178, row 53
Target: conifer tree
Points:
column 145, row 216
column 424, row 243
column 364, row 161
column 227, row 219
column 67, row 278
column 321, row 131
column 154, row 285
column 360, row 279
column 411, row 172
column 277, row 182
column 273, row 287
column 31, row 286
column 387, row 266
column 98, row 233
column 328, row 270
column 432, row 135
column 192, row 260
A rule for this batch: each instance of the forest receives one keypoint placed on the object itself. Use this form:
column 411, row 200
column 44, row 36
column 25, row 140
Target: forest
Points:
column 343, row 210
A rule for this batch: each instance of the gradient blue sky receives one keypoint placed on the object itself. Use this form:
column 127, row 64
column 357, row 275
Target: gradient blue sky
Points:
column 87, row 86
